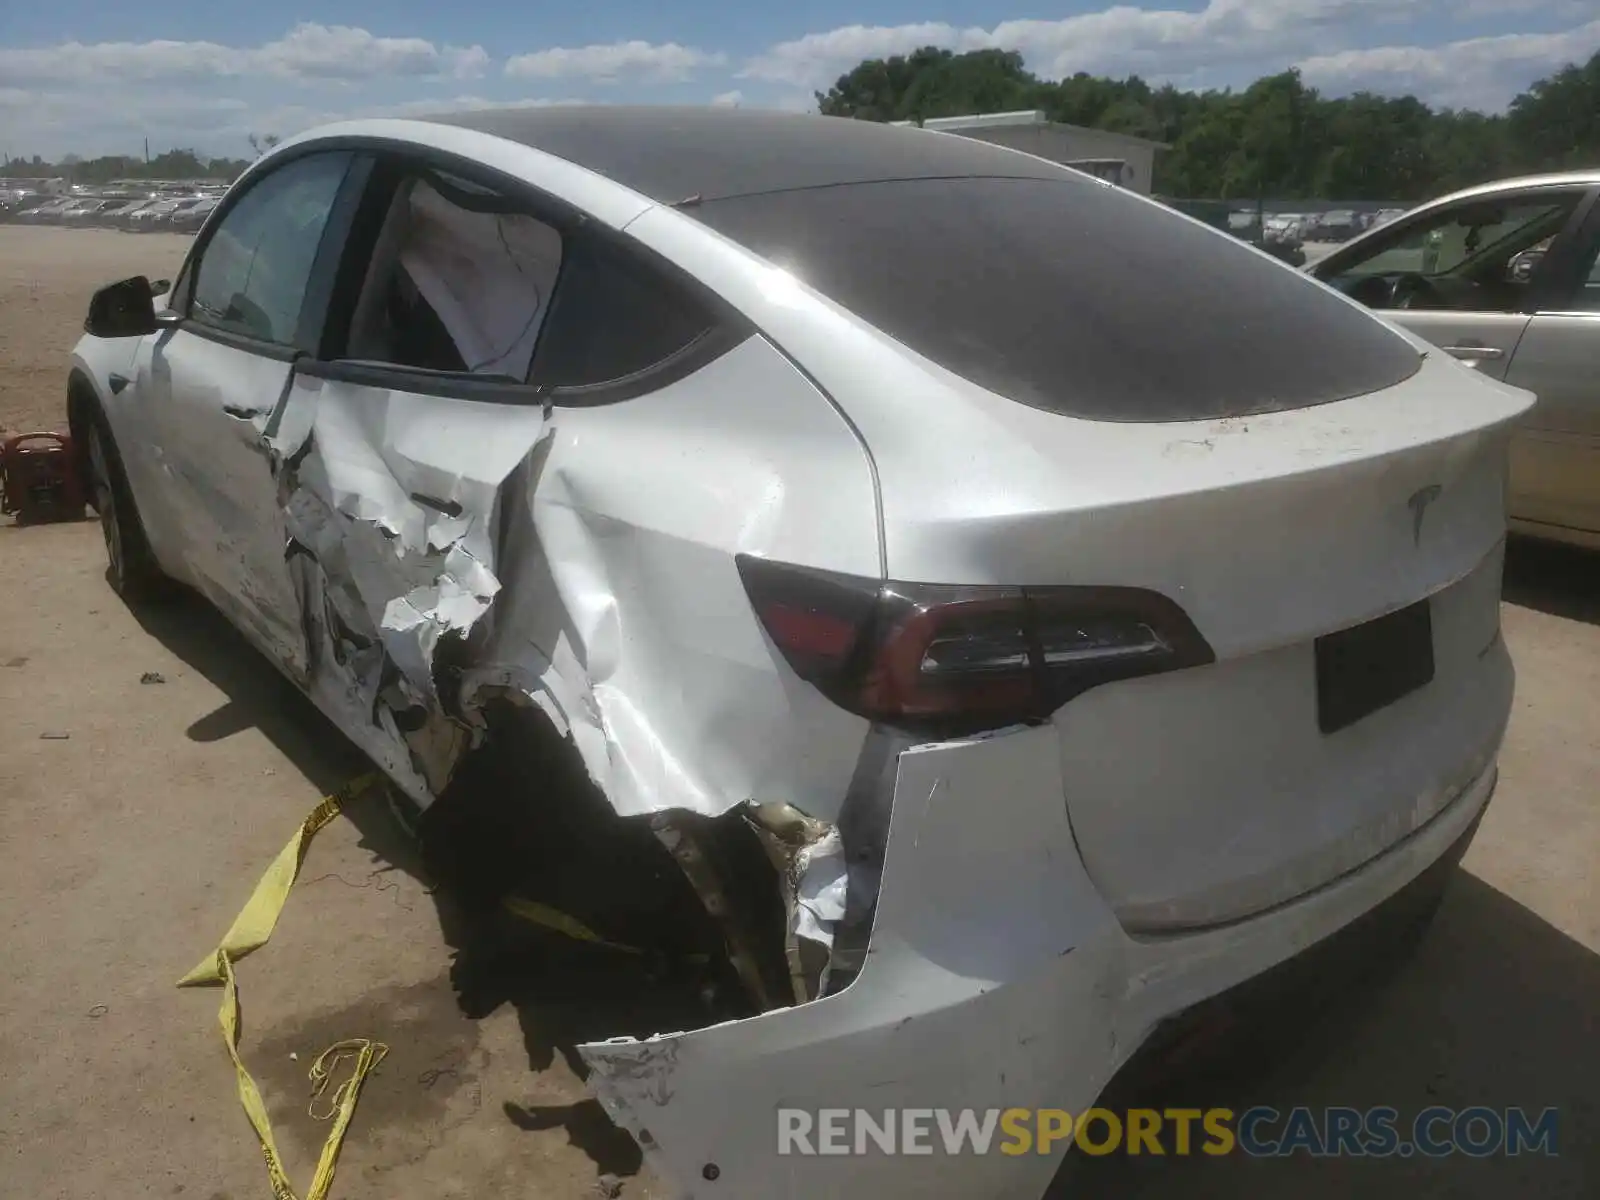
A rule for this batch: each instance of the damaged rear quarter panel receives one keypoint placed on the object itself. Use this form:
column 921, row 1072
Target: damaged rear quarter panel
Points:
column 581, row 558
column 992, row 981
column 622, row 591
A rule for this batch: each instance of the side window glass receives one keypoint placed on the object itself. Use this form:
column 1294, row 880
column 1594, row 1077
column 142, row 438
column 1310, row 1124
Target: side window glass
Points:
column 1476, row 256
column 252, row 275
column 460, row 280
column 1586, row 294
column 614, row 316
column 178, row 296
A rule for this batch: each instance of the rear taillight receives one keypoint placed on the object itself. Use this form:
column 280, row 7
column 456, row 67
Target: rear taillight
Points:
column 957, row 659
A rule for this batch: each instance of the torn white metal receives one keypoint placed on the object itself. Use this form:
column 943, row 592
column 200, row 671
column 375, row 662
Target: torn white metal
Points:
column 999, row 978
column 808, row 856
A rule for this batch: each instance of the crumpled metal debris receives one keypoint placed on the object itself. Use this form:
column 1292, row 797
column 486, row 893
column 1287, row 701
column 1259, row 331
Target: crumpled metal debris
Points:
column 441, row 565
column 808, row 855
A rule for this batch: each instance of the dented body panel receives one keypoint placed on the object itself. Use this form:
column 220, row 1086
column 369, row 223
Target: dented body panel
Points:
column 997, row 919
column 205, row 404
column 408, row 519
column 999, row 978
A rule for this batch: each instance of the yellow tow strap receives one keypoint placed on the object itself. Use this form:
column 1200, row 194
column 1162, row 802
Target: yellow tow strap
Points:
column 557, row 921
column 249, row 932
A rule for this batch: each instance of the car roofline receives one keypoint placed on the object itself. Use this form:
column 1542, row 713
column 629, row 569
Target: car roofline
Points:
column 1585, row 178
column 601, row 197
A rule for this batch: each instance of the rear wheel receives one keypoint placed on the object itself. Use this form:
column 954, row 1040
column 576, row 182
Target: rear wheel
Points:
column 130, row 565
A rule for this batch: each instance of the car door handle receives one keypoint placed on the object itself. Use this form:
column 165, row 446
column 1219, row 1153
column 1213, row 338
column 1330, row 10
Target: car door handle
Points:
column 1469, row 350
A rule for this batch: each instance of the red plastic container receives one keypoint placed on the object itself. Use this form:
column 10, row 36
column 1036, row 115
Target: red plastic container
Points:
column 39, row 479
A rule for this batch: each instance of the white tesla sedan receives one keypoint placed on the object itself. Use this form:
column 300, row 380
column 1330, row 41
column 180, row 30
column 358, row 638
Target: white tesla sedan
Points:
column 1077, row 611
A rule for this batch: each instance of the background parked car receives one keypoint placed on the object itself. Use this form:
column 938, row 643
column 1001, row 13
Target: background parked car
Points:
column 1340, row 225
column 122, row 218
column 189, row 220
column 87, row 211
column 16, row 201
column 1280, row 237
column 165, row 220
column 1506, row 278
column 59, row 214
column 148, row 218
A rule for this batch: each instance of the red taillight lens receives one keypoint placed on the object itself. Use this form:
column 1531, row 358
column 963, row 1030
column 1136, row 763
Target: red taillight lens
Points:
column 956, row 660
column 943, row 657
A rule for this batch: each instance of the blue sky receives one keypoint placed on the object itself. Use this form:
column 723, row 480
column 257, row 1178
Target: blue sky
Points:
column 94, row 78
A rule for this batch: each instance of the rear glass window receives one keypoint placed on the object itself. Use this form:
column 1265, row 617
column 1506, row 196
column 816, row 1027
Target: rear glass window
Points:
column 1071, row 296
column 612, row 318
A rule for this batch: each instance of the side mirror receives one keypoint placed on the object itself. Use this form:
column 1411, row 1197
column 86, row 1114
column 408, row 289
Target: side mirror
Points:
column 1522, row 266
column 124, row 309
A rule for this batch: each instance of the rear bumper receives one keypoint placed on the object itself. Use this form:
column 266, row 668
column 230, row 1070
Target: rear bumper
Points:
column 997, row 977
column 1252, row 1016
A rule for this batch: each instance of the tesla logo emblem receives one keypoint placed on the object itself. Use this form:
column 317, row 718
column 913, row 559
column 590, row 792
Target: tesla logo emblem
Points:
column 1418, row 504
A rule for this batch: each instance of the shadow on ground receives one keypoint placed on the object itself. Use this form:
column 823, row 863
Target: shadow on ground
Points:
column 1495, row 1007
column 1562, row 581
column 473, row 848
column 1492, row 1006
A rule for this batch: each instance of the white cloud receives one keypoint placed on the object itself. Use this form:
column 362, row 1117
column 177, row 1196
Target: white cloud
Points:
column 1259, row 35
column 56, row 122
column 1165, row 42
column 308, row 51
column 344, row 52
column 107, row 96
column 71, row 121
column 728, row 99
column 287, row 120
column 74, row 62
column 642, row 61
column 1226, row 42
column 817, row 59
column 1483, row 73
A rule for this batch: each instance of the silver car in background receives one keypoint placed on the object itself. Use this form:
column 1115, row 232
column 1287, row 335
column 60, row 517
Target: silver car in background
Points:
column 1505, row 278
column 189, row 219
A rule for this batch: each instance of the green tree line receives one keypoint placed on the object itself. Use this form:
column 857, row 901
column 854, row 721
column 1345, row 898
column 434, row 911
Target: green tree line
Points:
column 173, row 164
column 1276, row 138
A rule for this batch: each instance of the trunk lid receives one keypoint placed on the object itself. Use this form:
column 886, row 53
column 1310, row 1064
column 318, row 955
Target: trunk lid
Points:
column 1207, row 794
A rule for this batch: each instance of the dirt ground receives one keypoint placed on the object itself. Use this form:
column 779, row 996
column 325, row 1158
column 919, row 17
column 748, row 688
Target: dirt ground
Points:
column 138, row 815
column 46, row 278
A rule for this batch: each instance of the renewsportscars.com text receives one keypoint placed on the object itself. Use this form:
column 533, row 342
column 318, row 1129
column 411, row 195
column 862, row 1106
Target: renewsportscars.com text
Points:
column 1260, row 1132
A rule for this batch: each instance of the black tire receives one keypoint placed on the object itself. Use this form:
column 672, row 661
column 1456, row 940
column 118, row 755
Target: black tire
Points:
column 131, row 568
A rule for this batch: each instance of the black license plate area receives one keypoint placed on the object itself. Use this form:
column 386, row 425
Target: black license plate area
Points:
column 1370, row 666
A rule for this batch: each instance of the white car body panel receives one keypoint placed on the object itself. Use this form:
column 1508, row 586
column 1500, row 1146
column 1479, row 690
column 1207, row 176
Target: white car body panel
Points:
column 622, row 615
column 1180, row 835
column 1291, row 525
column 1048, row 894
column 214, row 494
column 999, row 979
column 99, row 360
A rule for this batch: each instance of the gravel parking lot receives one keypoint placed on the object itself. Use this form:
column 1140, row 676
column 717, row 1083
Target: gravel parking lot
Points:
column 137, row 816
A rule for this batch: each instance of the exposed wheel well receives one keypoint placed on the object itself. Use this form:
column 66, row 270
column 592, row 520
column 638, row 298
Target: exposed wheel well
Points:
column 83, row 405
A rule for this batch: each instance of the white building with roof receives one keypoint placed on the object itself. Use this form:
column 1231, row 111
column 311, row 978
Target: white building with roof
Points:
column 1119, row 157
